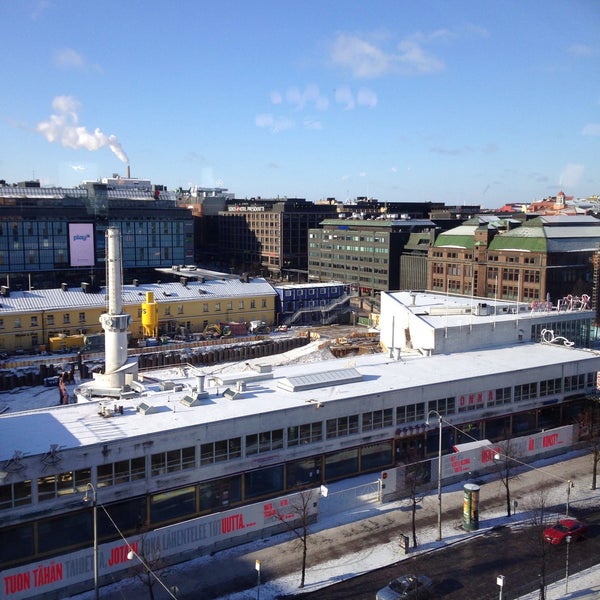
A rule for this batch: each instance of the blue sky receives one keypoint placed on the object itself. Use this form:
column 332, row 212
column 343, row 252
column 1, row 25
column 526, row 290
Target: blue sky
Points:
column 481, row 102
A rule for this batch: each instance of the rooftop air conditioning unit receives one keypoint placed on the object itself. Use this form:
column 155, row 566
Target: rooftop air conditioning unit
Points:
column 146, row 409
column 230, row 394
column 189, row 401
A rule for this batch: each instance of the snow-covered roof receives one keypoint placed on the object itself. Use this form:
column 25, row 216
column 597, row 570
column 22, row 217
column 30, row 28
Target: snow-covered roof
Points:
column 81, row 425
column 76, row 297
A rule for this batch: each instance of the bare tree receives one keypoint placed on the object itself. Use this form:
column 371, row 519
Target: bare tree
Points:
column 506, row 460
column 149, row 559
column 301, row 510
column 416, row 475
column 539, row 546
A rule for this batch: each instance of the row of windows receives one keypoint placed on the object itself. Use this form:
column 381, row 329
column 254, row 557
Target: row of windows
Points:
column 181, row 459
column 528, row 260
column 17, row 322
column 57, row 535
column 300, row 293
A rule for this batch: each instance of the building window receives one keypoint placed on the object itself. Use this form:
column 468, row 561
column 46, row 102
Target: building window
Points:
column 82, row 317
column 265, row 441
column 219, row 451
column 501, row 396
column 15, row 494
column 34, row 321
column 167, row 311
column 410, row 413
column 122, row 471
column 444, row 406
column 574, row 382
column 305, row 434
column 66, row 318
column 17, row 323
column 550, row 387
column 341, row 426
column 50, row 319
column 526, row 391
column 378, row 419
column 205, row 307
column 241, row 305
column 217, row 306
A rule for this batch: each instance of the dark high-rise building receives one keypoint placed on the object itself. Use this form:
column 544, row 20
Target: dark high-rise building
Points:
column 270, row 235
column 50, row 235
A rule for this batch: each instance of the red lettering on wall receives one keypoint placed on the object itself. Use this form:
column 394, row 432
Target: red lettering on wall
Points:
column 550, row 440
column 17, row 583
column 232, row 523
column 119, row 554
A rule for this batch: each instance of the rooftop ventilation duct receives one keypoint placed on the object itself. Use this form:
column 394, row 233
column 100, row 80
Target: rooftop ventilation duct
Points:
column 189, row 401
column 146, row 409
column 230, row 394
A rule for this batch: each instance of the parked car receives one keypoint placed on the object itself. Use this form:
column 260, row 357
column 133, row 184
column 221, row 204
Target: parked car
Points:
column 407, row 587
column 557, row 534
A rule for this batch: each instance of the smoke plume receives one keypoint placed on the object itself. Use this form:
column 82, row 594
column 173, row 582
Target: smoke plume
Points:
column 63, row 126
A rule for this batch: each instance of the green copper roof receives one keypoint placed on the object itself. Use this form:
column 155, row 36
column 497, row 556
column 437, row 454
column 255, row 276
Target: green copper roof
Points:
column 457, row 241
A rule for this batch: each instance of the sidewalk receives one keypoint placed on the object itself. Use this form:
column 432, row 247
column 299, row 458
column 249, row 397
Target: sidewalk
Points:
column 366, row 538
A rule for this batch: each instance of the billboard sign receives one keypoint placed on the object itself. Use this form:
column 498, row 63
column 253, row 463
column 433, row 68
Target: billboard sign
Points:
column 81, row 244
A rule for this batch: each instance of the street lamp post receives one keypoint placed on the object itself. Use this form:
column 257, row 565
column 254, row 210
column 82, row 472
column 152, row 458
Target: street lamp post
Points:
column 500, row 583
column 439, row 533
column 257, row 567
column 86, row 498
column 569, row 486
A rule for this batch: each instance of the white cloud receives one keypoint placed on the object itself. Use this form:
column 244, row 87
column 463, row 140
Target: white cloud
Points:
column 414, row 58
column 276, row 98
column 314, row 124
column 63, row 126
column 311, row 95
column 366, row 60
column 361, row 57
column 591, row 129
column 67, row 58
column 571, row 175
column 343, row 95
column 272, row 123
column 366, row 97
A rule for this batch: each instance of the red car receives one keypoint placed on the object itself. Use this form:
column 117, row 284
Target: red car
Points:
column 557, row 534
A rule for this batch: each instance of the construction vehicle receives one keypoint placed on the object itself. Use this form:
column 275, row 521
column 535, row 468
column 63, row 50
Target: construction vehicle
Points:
column 212, row 331
column 234, row 329
column 257, row 327
column 66, row 343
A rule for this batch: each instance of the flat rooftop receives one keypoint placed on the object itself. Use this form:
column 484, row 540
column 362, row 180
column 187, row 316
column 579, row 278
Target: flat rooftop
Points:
column 267, row 389
column 445, row 310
